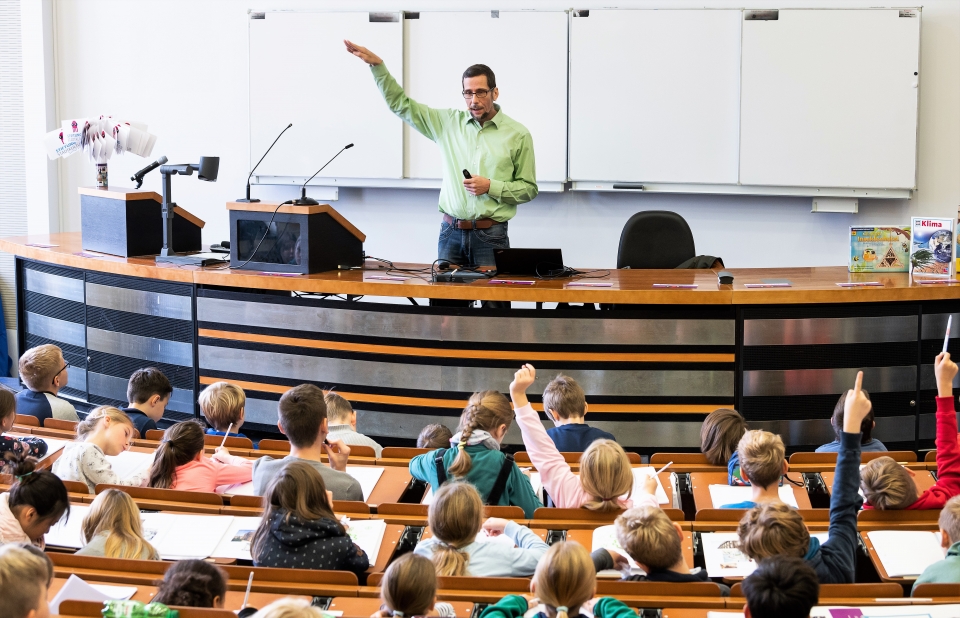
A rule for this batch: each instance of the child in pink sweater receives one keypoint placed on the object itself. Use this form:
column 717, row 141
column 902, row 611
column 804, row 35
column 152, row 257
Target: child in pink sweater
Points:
column 606, row 479
column 180, row 464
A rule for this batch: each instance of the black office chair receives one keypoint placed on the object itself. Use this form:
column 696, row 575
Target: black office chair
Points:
column 655, row 239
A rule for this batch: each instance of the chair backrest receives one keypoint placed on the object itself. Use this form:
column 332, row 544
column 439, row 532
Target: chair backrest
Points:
column 232, row 441
column 523, row 457
column 828, row 458
column 114, row 570
column 933, row 591
column 401, row 452
column 95, row 608
column 662, row 459
column 655, row 239
column 56, row 423
column 930, row 457
column 26, row 420
column 73, row 487
column 898, row 519
column 888, row 590
column 269, row 444
column 573, row 519
column 152, row 498
column 292, row 581
column 154, row 434
column 623, row 590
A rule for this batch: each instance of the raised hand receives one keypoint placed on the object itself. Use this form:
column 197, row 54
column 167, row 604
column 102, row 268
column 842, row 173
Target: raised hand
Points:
column 945, row 370
column 855, row 407
column 522, row 380
column 362, row 53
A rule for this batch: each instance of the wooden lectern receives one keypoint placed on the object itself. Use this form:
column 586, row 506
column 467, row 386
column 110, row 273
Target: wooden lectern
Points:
column 294, row 239
column 129, row 222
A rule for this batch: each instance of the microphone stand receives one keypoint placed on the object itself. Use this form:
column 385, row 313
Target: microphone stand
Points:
column 309, row 201
column 247, row 199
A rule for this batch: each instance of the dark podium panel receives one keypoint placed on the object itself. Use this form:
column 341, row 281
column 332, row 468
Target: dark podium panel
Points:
column 128, row 222
column 292, row 239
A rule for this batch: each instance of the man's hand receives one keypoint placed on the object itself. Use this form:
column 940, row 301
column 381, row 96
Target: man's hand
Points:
column 338, row 452
column 855, row 407
column 477, row 185
column 945, row 370
column 522, row 380
column 363, row 53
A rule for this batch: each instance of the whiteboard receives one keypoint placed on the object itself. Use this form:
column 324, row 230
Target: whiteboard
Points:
column 829, row 99
column 528, row 54
column 654, row 96
column 300, row 72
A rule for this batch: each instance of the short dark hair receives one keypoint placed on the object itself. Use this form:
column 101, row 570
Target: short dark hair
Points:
column 192, row 583
column 866, row 425
column 781, row 587
column 302, row 410
column 147, row 382
column 476, row 70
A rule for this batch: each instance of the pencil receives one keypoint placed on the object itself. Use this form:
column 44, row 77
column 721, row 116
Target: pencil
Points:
column 224, row 442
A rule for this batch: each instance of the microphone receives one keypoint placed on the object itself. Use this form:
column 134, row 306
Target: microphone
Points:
column 247, row 199
column 309, row 201
column 138, row 177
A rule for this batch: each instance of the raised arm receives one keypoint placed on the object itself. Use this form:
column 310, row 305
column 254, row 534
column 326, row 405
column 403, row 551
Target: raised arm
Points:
column 426, row 120
column 523, row 187
column 948, row 451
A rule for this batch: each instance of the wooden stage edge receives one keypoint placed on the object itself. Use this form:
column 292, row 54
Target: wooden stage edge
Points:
column 808, row 285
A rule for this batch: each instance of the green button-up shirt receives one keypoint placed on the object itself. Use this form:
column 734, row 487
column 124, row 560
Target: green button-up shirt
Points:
column 501, row 150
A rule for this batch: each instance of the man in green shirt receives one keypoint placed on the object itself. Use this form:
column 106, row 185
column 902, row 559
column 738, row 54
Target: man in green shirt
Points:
column 494, row 149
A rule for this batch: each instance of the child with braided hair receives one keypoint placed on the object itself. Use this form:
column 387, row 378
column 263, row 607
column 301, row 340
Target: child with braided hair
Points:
column 475, row 456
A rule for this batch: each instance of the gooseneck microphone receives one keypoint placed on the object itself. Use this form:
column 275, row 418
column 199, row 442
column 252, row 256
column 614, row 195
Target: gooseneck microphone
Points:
column 250, row 175
column 309, row 201
column 138, row 177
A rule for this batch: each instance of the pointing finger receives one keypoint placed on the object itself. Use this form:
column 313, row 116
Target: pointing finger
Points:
column 859, row 383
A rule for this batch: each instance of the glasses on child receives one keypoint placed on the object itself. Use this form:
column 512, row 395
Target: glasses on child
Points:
column 58, row 373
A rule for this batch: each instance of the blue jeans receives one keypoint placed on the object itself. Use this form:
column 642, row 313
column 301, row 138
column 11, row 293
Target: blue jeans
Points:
column 471, row 247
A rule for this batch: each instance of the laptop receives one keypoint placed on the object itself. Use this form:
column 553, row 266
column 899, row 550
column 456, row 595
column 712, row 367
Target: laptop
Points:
column 528, row 262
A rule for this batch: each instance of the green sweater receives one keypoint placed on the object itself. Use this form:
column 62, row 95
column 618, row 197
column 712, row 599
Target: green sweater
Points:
column 514, row 606
column 483, row 474
column 947, row 571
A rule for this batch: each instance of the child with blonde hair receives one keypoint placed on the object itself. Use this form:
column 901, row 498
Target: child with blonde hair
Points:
column 564, row 584
column 762, row 465
column 222, row 405
column 105, row 432
column 456, row 519
column 656, row 544
column 946, row 571
column 25, row 578
column 434, row 436
column 44, row 371
column 775, row 529
column 112, row 528
column 342, row 419
column 606, row 477
column 20, row 447
column 476, row 457
column 719, row 436
column 409, row 588
column 887, row 485
column 181, row 464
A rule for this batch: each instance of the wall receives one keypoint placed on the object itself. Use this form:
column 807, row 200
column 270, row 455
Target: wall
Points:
column 181, row 66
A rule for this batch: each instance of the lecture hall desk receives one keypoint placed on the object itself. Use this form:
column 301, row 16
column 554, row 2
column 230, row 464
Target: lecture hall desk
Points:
column 701, row 482
column 922, row 478
column 666, row 356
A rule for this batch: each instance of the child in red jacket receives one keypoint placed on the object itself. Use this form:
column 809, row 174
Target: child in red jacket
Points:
column 887, row 485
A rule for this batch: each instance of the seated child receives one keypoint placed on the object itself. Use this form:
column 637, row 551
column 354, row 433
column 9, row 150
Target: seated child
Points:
column 656, row 544
column 781, row 587
column 343, row 423
column 21, row 447
column 947, row 571
column 565, row 583
column 112, row 528
column 303, row 419
column 289, row 607
column 25, row 578
column 105, row 431
column 566, row 405
column 409, row 588
column 870, row 444
column 477, row 457
column 434, row 437
column 762, row 465
column 455, row 518
column 44, row 372
column 35, row 502
column 222, row 405
column 773, row 528
column 192, row 583
column 299, row 529
column 181, row 464
column 148, row 393
column 719, row 436
column 606, row 479
column 887, row 485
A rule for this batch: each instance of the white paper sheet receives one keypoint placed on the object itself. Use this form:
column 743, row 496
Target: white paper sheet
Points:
column 367, row 476
column 906, row 552
column 723, row 558
column 66, row 532
column 729, row 494
column 178, row 536
column 894, row 611
column 368, row 535
column 640, row 475
column 500, row 539
column 130, row 463
column 78, row 590
column 725, row 615
column 238, row 489
column 54, row 446
column 235, row 542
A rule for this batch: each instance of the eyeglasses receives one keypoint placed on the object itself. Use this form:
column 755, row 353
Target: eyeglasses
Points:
column 480, row 94
column 59, row 372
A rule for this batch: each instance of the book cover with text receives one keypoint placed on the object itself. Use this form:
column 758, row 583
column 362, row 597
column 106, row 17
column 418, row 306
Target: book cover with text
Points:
column 931, row 246
column 882, row 248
